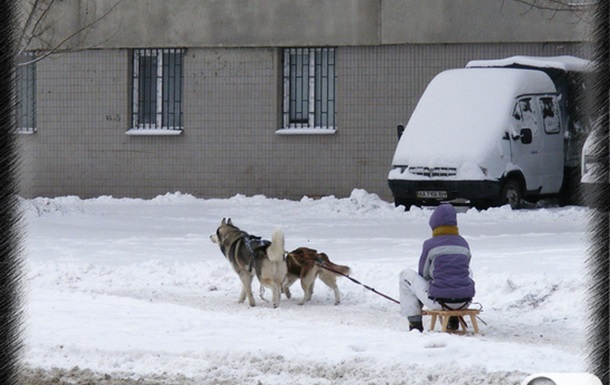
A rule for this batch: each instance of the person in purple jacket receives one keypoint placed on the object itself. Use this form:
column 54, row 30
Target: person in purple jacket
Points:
column 444, row 278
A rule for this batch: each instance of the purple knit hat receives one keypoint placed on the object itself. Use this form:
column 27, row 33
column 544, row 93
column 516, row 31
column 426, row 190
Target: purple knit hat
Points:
column 443, row 215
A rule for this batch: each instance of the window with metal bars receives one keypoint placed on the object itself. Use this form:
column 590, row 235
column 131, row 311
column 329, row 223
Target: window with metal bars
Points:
column 157, row 89
column 25, row 92
column 309, row 88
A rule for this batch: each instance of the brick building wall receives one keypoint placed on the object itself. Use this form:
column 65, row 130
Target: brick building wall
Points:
column 232, row 109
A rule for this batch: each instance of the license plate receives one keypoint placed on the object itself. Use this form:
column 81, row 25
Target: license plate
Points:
column 432, row 194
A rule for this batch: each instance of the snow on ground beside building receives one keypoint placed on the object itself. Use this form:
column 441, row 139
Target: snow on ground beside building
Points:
column 135, row 288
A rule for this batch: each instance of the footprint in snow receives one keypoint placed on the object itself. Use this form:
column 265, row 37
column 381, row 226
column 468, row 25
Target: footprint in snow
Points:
column 357, row 348
column 435, row 345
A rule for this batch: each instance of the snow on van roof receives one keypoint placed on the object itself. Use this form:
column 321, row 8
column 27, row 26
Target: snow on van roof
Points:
column 463, row 113
column 565, row 63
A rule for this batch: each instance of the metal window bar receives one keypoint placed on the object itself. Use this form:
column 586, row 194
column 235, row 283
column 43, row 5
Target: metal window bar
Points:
column 157, row 88
column 298, row 110
column 309, row 87
column 172, row 90
column 25, row 92
column 325, row 88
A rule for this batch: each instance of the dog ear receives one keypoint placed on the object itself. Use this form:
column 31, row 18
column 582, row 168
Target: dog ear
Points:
column 229, row 222
column 224, row 222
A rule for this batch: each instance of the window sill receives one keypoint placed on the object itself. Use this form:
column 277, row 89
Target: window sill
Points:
column 26, row 132
column 306, row 131
column 153, row 132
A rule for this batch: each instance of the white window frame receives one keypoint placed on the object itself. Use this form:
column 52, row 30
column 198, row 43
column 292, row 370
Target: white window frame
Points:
column 25, row 78
column 310, row 126
column 156, row 128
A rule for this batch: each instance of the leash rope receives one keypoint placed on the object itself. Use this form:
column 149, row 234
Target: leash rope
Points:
column 324, row 266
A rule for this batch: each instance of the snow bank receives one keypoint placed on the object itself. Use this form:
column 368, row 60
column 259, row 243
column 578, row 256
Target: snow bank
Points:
column 565, row 63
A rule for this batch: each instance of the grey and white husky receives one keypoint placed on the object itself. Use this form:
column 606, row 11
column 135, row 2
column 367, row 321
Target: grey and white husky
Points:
column 249, row 255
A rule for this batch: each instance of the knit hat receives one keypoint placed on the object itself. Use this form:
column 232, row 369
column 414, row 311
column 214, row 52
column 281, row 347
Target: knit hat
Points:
column 443, row 215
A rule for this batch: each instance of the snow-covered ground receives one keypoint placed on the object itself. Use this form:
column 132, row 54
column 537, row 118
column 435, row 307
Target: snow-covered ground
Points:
column 135, row 288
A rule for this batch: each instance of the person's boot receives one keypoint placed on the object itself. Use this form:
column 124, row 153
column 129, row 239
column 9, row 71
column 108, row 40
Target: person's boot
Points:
column 453, row 324
column 416, row 326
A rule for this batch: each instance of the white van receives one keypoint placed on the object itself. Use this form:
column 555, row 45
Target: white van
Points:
column 495, row 132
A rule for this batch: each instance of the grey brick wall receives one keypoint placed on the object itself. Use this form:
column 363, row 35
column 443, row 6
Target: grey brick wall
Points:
column 82, row 106
column 232, row 109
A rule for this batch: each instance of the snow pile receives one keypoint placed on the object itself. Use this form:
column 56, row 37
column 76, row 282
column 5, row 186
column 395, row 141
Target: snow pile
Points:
column 134, row 289
column 565, row 63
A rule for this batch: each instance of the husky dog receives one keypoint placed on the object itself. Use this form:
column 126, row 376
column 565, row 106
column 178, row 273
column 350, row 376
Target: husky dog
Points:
column 249, row 256
column 305, row 263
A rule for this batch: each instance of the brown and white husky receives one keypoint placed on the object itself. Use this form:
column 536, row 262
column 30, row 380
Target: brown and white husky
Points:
column 304, row 264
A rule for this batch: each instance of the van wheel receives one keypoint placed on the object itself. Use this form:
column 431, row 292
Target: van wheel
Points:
column 511, row 194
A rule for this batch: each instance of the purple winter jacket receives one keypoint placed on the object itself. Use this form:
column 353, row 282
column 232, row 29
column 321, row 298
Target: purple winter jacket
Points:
column 445, row 259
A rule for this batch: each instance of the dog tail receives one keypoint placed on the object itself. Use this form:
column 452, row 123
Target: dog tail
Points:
column 345, row 270
column 275, row 251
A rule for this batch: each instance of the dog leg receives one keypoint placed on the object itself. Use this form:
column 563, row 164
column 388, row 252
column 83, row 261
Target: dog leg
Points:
column 246, row 280
column 262, row 292
column 307, row 283
column 331, row 281
column 305, row 292
column 311, row 286
column 242, row 296
column 276, row 290
column 337, row 295
column 288, row 281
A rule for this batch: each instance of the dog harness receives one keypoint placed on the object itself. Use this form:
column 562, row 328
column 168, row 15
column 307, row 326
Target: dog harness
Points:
column 254, row 243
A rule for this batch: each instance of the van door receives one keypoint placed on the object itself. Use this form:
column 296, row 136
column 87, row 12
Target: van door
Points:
column 526, row 142
column 552, row 144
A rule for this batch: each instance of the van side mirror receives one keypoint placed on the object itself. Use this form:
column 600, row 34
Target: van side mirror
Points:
column 526, row 136
column 399, row 130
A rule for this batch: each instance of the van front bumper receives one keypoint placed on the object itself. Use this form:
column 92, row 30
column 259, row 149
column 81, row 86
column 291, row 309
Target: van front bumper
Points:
column 433, row 192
